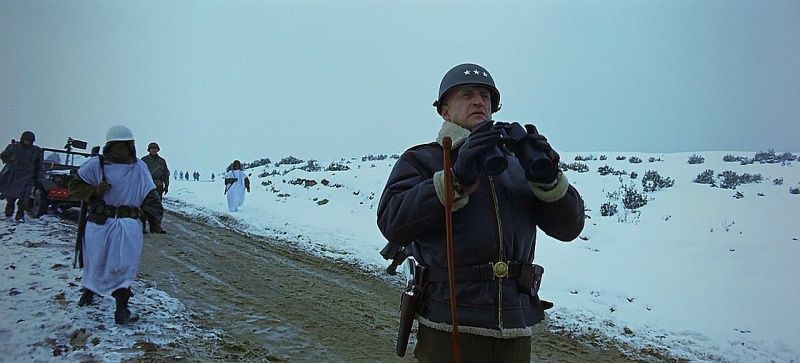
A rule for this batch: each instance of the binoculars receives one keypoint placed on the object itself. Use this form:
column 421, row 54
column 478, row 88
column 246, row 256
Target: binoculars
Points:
column 511, row 140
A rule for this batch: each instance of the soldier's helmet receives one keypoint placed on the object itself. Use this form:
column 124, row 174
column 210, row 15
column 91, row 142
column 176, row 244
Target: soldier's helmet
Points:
column 153, row 145
column 119, row 133
column 28, row 135
column 467, row 74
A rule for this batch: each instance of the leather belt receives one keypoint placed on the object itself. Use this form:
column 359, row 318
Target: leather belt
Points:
column 484, row 272
column 122, row 211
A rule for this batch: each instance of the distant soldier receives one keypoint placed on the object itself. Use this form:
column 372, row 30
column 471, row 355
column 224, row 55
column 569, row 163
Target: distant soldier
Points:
column 212, row 177
column 236, row 182
column 160, row 173
column 21, row 174
column 175, row 175
column 119, row 189
column 158, row 168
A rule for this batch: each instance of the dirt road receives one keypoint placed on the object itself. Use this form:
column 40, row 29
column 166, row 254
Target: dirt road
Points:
column 275, row 303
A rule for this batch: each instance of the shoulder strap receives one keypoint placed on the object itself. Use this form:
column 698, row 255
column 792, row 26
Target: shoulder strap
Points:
column 102, row 169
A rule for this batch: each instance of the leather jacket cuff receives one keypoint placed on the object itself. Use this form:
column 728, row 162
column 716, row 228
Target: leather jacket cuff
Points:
column 459, row 199
column 553, row 192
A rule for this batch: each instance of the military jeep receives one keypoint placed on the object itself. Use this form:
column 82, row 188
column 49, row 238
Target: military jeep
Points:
column 58, row 166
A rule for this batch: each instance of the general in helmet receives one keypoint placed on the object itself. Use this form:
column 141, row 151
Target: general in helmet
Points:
column 495, row 215
column 119, row 190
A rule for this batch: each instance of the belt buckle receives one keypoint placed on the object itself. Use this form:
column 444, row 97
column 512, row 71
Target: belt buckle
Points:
column 500, row 269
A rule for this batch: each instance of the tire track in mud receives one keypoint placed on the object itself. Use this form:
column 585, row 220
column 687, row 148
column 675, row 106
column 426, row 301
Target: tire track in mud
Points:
column 274, row 303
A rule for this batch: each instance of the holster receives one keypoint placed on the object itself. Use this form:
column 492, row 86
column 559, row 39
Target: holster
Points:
column 530, row 279
column 409, row 305
column 409, row 302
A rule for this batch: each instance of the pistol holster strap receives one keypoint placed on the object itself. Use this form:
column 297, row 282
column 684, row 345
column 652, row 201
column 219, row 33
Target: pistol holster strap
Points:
column 482, row 272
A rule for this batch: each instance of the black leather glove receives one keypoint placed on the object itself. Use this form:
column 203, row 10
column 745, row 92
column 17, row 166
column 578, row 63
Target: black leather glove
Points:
column 469, row 162
column 537, row 157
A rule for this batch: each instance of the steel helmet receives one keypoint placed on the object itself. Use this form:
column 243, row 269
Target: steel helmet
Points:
column 153, row 145
column 119, row 133
column 27, row 135
column 463, row 74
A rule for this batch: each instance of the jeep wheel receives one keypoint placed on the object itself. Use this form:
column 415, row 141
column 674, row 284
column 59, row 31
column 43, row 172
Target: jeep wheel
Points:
column 39, row 204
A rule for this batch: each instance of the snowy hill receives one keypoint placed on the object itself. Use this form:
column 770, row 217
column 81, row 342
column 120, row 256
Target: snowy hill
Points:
column 704, row 272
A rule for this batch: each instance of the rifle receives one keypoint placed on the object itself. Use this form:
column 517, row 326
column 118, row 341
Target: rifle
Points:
column 77, row 259
column 229, row 182
column 83, row 217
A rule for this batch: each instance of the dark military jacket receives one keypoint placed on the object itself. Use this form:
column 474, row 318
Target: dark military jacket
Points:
column 158, row 168
column 498, row 223
column 22, row 171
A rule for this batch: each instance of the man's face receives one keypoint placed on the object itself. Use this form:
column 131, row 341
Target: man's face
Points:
column 467, row 106
column 119, row 148
column 153, row 151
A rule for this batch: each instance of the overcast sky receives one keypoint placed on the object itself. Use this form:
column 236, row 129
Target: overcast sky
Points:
column 212, row 81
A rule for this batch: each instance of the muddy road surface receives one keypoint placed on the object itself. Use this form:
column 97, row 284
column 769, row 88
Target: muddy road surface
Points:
column 271, row 302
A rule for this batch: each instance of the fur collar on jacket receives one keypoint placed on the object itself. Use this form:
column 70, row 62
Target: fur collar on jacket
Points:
column 457, row 134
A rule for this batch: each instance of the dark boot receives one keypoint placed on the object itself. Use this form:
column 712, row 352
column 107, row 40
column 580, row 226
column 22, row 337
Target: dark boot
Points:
column 87, row 298
column 155, row 227
column 9, row 207
column 20, row 217
column 123, row 315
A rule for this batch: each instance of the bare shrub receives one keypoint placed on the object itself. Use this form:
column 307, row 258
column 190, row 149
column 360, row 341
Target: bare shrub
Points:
column 289, row 160
column 696, row 159
column 652, row 181
column 608, row 209
column 705, row 177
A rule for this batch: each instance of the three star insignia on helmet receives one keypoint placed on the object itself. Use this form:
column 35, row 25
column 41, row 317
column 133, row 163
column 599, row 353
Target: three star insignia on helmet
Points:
column 477, row 72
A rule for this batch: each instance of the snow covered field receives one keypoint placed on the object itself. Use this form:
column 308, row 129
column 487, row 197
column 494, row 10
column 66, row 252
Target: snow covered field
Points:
column 699, row 271
column 40, row 320
column 705, row 273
